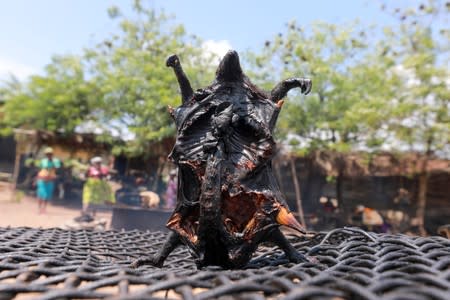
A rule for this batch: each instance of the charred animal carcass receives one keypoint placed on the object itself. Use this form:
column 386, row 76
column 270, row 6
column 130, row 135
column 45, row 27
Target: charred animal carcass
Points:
column 228, row 199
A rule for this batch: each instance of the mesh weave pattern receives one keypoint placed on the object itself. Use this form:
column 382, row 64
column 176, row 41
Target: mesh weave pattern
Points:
column 346, row 264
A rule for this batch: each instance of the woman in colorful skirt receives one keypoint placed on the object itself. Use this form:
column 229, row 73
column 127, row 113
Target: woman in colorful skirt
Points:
column 96, row 190
column 46, row 179
column 171, row 191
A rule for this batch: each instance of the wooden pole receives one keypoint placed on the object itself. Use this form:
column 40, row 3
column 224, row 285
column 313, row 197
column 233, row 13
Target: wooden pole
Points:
column 276, row 166
column 297, row 192
column 159, row 170
column 127, row 168
column 422, row 196
column 23, row 138
column 16, row 170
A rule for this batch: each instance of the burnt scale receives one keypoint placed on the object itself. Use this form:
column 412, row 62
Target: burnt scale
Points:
column 228, row 199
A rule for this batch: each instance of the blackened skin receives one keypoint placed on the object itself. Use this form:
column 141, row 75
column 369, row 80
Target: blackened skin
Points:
column 228, row 200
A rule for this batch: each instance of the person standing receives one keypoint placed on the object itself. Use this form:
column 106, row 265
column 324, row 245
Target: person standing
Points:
column 46, row 179
column 96, row 190
column 171, row 192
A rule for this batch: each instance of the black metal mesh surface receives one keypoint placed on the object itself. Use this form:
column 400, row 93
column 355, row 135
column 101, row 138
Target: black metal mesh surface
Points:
column 349, row 264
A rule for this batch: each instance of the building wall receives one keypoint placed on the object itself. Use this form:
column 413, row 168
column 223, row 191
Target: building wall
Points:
column 7, row 154
column 63, row 153
column 372, row 191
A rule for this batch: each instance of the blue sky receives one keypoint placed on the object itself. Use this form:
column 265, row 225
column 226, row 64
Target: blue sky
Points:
column 34, row 30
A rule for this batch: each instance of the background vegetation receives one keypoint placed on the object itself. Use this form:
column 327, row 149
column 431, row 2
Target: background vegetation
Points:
column 373, row 88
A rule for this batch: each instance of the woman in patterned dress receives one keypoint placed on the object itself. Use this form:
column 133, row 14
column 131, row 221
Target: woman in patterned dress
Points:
column 46, row 179
column 97, row 190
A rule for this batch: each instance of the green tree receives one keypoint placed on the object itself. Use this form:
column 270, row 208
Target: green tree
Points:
column 120, row 87
column 58, row 100
column 348, row 72
column 420, row 112
column 349, row 82
column 136, row 86
column 372, row 89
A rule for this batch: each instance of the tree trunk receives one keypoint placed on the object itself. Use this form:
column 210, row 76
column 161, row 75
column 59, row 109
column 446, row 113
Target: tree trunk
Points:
column 276, row 167
column 158, row 174
column 316, row 180
column 344, row 209
column 297, row 192
column 127, row 167
column 340, row 165
column 16, row 169
column 422, row 200
column 15, row 174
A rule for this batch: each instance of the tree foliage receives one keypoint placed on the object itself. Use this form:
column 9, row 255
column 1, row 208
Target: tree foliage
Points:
column 372, row 89
column 135, row 84
column 58, row 100
column 347, row 81
column 420, row 46
column 118, row 89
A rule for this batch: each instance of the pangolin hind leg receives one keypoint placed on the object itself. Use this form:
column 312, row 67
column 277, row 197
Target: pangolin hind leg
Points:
column 277, row 237
column 265, row 228
column 241, row 255
column 157, row 260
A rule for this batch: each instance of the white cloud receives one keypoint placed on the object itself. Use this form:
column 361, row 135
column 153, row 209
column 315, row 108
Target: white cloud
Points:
column 216, row 48
column 8, row 67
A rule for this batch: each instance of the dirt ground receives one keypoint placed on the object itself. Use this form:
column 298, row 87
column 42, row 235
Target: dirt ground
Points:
column 17, row 209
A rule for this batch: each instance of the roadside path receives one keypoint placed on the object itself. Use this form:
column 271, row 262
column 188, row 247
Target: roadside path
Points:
column 22, row 210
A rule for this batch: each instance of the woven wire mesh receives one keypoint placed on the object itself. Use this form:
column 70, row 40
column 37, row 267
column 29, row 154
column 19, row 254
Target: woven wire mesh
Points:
column 347, row 264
